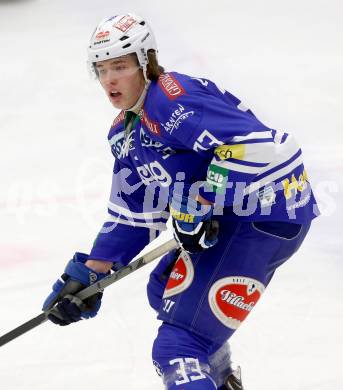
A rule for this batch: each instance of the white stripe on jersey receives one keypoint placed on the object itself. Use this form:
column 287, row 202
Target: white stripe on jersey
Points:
column 148, row 225
column 282, row 153
column 278, row 136
column 242, row 107
column 263, row 152
column 237, row 167
column 273, row 177
column 130, row 214
column 252, row 135
column 258, row 153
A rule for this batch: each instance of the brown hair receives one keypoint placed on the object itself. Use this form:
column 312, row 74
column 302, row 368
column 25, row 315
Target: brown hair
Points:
column 154, row 69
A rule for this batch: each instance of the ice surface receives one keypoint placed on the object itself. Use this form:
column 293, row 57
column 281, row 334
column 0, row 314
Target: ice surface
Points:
column 285, row 60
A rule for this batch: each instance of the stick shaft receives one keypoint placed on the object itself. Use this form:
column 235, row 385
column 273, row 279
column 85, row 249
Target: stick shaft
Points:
column 94, row 288
column 31, row 324
column 133, row 266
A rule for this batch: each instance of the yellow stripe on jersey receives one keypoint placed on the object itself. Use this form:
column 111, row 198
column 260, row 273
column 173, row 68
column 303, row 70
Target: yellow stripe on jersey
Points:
column 224, row 152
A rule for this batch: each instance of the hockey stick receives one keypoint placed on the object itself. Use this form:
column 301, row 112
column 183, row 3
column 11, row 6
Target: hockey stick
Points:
column 93, row 289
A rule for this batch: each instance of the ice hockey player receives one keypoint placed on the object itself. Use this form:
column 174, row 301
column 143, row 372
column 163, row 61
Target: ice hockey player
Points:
column 237, row 192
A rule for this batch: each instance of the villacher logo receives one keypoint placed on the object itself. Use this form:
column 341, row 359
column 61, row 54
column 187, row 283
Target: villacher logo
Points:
column 232, row 299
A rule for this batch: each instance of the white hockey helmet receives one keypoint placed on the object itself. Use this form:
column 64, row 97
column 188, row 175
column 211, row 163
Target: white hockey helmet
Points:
column 121, row 35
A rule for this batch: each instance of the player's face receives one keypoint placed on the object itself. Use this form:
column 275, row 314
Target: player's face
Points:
column 122, row 79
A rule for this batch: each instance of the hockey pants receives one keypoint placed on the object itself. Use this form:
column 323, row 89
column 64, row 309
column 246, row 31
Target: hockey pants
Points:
column 203, row 298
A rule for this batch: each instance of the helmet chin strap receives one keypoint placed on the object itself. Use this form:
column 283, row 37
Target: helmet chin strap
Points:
column 138, row 105
column 145, row 73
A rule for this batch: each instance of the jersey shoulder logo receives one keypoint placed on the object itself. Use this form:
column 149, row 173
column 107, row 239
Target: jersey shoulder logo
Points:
column 177, row 118
column 152, row 126
column 170, row 86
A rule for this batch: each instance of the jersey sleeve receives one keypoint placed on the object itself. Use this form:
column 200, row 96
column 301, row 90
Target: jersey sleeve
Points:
column 218, row 126
column 134, row 218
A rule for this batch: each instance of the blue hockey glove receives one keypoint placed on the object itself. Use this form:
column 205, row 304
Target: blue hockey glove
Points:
column 193, row 227
column 69, row 308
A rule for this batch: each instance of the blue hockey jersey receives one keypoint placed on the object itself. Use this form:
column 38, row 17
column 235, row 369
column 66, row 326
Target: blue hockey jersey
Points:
column 195, row 136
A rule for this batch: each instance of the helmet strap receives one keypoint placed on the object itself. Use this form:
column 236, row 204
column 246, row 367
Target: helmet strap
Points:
column 139, row 103
column 145, row 73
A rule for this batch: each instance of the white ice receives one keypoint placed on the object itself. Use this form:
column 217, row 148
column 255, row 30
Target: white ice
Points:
column 284, row 59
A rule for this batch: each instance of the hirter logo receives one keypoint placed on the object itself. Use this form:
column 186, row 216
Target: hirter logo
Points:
column 232, row 299
column 102, row 35
column 125, row 23
column 170, row 86
column 118, row 119
column 153, row 127
column 181, row 276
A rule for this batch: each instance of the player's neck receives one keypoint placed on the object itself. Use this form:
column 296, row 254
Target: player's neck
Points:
column 139, row 103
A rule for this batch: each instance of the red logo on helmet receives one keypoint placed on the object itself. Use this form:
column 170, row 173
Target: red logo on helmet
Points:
column 125, row 23
column 232, row 299
column 102, row 35
column 181, row 276
column 154, row 127
column 170, row 86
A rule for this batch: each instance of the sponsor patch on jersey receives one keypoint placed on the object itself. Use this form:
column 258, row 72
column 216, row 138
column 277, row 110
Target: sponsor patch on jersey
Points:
column 125, row 23
column 118, row 119
column 153, row 127
column 297, row 205
column 177, row 117
column 231, row 299
column 170, row 86
column 267, row 196
column 147, row 142
column 294, row 185
column 224, row 152
column 217, row 178
column 181, row 276
column 122, row 143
